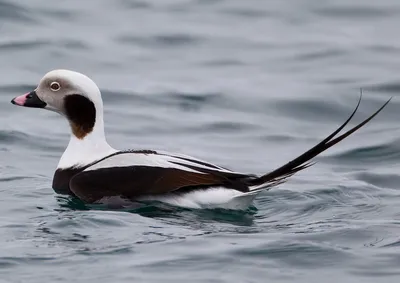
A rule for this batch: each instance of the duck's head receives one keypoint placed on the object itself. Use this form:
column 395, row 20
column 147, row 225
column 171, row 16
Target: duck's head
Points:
column 70, row 94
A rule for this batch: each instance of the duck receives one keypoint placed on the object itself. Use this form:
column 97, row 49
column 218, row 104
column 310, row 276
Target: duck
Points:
column 96, row 173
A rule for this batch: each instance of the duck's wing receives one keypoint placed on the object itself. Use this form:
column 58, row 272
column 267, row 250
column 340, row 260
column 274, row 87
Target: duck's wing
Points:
column 132, row 174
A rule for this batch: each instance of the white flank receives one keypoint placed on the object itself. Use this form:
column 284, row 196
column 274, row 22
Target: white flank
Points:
column 218, row 197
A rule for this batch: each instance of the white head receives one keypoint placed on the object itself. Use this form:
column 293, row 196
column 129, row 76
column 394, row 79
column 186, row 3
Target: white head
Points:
column 76, row 97
column 70, row 94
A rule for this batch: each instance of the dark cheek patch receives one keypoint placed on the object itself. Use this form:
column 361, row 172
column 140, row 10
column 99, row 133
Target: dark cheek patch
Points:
column 81, row 114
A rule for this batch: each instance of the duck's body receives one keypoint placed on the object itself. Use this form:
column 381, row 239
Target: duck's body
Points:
column 159, row 176
column 96, row 173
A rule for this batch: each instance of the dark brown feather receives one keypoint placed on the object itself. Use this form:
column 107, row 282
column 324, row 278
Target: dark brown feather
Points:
column 135, row 181
column 81, row 114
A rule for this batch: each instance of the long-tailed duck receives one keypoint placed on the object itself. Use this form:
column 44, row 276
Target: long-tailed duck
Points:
column 93, row 171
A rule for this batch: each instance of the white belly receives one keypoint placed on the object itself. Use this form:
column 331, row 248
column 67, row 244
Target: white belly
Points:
column 218, row 197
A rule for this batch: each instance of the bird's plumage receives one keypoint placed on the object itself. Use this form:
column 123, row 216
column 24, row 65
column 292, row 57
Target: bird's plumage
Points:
column 93, row 171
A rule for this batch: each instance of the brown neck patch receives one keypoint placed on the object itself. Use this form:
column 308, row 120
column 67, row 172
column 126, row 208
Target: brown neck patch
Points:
column 81, row 114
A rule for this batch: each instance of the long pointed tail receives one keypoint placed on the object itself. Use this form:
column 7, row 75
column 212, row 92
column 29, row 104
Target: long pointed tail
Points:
column 280, row 174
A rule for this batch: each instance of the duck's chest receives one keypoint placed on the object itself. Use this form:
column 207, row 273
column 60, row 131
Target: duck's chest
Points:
column 62, row 178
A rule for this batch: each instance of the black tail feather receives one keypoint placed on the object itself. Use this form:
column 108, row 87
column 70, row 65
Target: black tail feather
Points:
column 280, row 174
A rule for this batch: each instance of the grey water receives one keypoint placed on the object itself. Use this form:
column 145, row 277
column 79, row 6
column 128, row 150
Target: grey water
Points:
column 245, row 84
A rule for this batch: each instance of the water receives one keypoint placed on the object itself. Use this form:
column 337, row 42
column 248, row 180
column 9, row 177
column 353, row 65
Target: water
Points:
column 245, row 84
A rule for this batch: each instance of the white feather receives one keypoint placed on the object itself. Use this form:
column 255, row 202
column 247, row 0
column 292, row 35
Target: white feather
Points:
column 152, row 160
column 218, row 197
column 83, row 152
column 137, row 159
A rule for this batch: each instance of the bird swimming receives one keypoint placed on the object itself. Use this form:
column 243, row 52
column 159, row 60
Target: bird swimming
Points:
column 93, row 171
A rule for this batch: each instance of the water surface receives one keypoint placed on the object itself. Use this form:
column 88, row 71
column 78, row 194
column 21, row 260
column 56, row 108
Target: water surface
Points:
column 245, row 84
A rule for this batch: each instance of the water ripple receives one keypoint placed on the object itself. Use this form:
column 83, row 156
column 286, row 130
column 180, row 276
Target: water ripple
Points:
column 162, row 41
column 17, row 13
column 22, row 44
column 353, row 11
column 248, row 83
column 386, row 153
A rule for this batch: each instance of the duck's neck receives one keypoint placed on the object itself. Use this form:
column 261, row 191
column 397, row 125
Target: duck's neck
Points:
column 92, row 147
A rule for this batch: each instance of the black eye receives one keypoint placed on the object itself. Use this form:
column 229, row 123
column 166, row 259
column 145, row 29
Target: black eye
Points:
column 55, row 86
